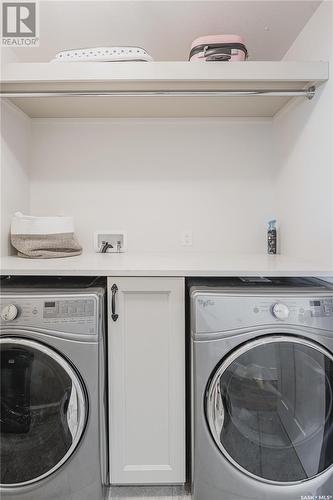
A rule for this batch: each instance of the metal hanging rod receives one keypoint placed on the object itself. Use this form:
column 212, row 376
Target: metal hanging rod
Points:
column 308, row 93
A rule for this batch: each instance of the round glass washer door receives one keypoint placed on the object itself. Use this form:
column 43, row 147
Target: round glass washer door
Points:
column 43, row 411
column 269, row 409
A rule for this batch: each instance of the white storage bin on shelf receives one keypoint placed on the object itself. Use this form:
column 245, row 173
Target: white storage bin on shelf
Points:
column 44, row 237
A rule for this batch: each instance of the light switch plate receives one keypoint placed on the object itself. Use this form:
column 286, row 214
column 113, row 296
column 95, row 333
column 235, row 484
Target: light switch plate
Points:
column 112, row 237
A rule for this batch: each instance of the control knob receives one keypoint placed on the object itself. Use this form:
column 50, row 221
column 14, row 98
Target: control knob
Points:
column 280, row 311
column 9, row 312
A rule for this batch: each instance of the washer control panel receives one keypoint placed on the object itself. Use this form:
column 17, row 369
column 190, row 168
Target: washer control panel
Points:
column 82, row 308
column 77, row 314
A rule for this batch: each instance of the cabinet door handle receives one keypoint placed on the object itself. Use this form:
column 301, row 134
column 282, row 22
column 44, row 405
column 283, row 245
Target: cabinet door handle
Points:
column 114, row 290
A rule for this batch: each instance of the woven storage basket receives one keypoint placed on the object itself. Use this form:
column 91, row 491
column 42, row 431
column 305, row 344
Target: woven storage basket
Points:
column 44, row 237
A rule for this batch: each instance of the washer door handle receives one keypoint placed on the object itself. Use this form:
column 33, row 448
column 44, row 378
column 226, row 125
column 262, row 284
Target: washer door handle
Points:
column 114, row 290
column 218, row 411
column 71, row 411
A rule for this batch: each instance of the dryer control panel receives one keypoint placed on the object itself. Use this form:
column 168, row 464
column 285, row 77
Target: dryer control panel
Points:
column 218, row 312
column 321, row 308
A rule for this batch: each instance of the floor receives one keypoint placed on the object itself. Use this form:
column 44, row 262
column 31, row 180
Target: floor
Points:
column 149, row 493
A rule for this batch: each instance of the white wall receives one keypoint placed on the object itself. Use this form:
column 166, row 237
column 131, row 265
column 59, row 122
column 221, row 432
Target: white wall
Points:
column 15, row 152
column 159, row 27
column 303, row 134
column 155, row 178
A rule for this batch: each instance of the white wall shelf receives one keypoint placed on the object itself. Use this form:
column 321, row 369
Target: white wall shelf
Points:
column 174, row 77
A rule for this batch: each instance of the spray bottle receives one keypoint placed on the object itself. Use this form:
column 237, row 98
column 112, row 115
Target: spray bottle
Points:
column 272, row 237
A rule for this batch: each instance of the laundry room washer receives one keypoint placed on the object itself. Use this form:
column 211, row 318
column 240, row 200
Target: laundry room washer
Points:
column 53, row 438
column 262, row 389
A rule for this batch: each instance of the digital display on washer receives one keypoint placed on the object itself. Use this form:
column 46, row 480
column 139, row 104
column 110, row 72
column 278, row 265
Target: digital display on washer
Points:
column 315, row 303
column 67, row 309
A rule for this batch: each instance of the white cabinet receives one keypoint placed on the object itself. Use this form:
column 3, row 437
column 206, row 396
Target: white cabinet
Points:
column 146, row 353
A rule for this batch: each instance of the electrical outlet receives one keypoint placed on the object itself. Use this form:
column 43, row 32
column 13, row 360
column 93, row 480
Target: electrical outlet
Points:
column 186, row 238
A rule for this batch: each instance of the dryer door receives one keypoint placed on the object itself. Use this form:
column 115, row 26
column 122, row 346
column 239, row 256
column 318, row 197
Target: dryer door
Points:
column 43, row 411
column 269, row 409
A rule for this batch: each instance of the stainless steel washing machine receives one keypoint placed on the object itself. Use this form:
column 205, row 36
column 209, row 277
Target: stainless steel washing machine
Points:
column 262, row 389
column 53, row 440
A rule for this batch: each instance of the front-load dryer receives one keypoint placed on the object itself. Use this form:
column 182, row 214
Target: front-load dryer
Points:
column 52, row 392
column 262, row 390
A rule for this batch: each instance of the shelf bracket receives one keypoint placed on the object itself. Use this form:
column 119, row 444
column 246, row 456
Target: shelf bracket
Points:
column 310, row 93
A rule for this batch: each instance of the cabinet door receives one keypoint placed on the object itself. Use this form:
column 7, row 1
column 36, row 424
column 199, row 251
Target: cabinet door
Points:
column 146, row 353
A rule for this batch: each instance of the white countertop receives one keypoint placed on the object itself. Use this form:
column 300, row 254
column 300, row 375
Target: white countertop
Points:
column 165, row 264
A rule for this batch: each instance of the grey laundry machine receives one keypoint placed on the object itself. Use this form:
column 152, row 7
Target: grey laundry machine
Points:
column 262, row 389
column 52, row 421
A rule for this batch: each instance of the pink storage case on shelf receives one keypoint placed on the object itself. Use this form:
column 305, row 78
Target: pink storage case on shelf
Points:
column 218, row 48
